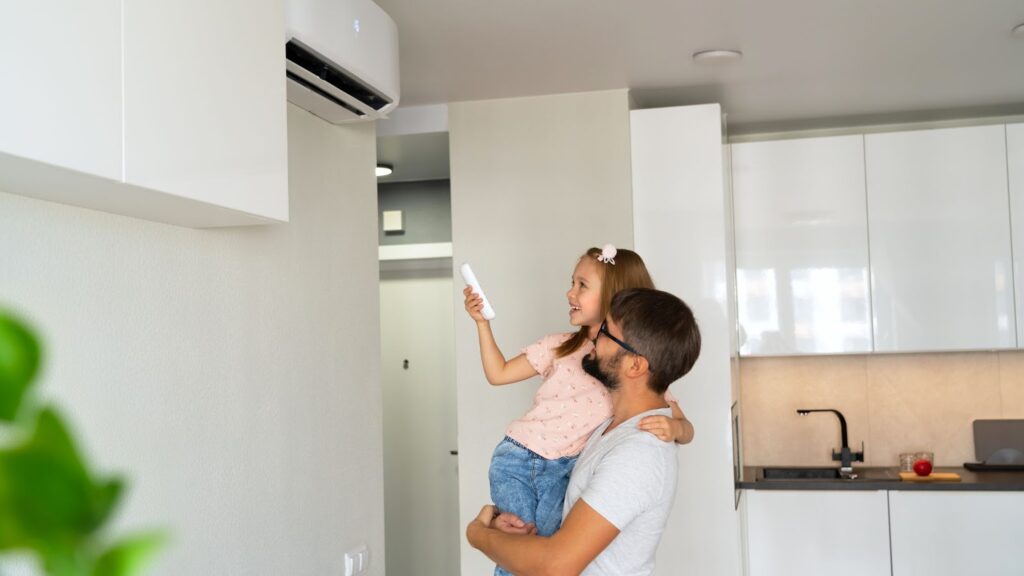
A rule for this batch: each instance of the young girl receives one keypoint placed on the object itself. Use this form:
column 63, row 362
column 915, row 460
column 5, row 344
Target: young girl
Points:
column 530, row 468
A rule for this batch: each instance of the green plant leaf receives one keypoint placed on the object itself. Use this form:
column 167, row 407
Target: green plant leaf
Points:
column 130, row 555
column 50, row 503
column 19, row 361
column 48, row 500
column 63, row 561
column 105, row 496
column 52, row 437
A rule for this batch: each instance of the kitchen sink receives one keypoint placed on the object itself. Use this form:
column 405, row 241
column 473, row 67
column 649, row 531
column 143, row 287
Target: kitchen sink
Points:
column 822, row 473
column 801, row 474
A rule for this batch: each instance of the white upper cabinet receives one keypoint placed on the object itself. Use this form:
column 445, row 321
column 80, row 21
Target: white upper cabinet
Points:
column 61, row 97
column 1015, row 156
column 802, row 246
column 939, row 235
column 168, row 110
column 205, row 106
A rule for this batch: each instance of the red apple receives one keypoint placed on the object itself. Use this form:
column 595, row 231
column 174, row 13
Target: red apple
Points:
column 922, row 467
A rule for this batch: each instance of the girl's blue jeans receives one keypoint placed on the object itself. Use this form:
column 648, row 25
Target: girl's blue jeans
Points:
column 529, row 486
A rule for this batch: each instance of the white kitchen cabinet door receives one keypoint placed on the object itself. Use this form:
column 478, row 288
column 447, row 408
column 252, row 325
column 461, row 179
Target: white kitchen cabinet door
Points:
column 939, row 233
column 205, row 106
column 839, row 533
column 802, row 246
column 61, row 97
column 1015, row 157
column 957, row 533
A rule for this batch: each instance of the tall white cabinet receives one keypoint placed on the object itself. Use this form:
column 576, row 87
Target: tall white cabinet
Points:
column 682, row 228
column 802, row 246
column 940, row 240
column 1015, row 159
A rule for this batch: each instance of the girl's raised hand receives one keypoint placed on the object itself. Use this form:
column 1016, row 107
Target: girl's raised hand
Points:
column 474, row 304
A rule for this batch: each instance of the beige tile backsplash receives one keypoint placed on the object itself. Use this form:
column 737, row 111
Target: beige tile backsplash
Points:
column 892, row 403
column 1011, row 380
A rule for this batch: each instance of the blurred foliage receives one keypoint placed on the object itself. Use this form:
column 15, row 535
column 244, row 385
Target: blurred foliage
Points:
column 51, row 504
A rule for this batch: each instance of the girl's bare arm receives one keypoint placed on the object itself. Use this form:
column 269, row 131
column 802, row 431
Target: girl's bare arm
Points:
column 497, row 370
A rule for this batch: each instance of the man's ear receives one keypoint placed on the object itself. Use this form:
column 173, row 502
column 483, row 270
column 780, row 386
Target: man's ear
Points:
column 637, row 367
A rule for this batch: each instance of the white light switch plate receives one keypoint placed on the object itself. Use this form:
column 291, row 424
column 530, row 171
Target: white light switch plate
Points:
column 357, row 561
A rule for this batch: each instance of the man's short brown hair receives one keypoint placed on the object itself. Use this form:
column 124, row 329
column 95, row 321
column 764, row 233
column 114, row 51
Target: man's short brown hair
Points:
column 662, row 329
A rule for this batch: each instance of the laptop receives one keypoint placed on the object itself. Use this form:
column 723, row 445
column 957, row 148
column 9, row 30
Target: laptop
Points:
column 998, row 445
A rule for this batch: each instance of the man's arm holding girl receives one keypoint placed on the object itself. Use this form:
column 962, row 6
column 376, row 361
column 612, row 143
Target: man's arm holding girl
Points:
column 583, row 536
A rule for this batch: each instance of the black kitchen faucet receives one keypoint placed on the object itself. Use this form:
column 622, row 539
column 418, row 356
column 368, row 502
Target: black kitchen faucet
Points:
column 845, row 456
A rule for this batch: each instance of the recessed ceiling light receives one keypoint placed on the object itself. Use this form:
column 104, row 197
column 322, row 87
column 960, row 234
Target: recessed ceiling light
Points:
column 384, row 170
column 717, row 56
column 1018, row 31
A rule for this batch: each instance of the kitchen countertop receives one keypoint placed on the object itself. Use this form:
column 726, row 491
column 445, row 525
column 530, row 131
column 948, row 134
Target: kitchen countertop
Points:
column 876, row 478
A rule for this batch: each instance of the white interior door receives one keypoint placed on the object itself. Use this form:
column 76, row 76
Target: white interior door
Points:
column 421, row 503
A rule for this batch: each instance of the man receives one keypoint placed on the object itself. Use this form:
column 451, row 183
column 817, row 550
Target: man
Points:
column 620, row 492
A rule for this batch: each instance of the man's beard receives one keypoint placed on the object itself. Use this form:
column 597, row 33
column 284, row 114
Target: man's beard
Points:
column 592, row 366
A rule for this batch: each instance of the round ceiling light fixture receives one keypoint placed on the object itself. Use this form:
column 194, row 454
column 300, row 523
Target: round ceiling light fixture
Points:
column 384, row 170
column 1018, row 32
column 717, row 56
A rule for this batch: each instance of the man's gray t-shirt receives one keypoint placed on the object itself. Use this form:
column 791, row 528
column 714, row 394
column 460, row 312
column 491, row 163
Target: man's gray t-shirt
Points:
column 629, row 477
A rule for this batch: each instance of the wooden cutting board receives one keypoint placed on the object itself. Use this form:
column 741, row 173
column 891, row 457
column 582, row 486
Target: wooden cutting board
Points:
column 933, row 477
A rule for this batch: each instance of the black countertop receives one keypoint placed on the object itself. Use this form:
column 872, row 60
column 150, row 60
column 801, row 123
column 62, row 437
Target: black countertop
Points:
column 870, row 478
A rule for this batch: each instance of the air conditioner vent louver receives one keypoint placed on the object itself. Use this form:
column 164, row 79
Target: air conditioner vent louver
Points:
column 321, row 93
column 308, row 60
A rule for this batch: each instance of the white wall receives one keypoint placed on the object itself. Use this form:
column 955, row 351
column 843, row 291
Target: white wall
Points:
column 233, row 373
column 535, row 181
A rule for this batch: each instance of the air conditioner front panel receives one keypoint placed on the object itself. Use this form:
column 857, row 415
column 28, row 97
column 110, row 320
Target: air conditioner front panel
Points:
column 357, row 35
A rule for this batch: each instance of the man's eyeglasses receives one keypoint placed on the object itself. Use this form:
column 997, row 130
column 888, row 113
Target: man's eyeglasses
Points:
column 626, row 347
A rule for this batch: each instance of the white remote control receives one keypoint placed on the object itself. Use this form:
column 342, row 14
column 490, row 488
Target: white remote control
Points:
column 470, row 278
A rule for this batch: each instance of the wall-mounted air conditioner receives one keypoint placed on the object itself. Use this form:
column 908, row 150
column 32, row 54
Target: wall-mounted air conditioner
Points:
column 342, row 59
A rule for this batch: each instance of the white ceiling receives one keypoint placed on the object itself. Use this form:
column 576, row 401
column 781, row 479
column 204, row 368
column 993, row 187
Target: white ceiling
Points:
column 805, row 61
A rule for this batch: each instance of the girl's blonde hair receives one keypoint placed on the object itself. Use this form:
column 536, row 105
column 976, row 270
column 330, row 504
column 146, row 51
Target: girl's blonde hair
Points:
column 629, row 271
